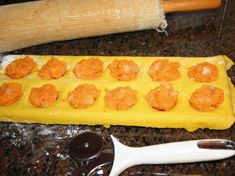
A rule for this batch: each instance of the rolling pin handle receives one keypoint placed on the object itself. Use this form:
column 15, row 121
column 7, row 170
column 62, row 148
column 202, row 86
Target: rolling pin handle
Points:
column 189, row 5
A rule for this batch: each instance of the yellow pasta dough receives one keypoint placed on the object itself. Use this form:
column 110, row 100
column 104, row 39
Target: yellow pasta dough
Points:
column 141, row 114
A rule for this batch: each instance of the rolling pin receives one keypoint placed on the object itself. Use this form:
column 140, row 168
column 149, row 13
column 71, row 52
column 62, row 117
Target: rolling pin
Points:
column 38, row 22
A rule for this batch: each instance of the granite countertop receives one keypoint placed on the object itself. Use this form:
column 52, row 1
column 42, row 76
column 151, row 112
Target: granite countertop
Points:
column 43, row 149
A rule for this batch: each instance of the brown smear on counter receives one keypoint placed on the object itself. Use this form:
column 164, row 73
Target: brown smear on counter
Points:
column 20, row 68
column 90, row 68
column 53, row 69
column 203, row 72
column 10, row 93
column 164, row 70
column 163, row 97
column 121, row 98
column 83, row 96
column 43, row 96
column 124, row 70
column 207, row 98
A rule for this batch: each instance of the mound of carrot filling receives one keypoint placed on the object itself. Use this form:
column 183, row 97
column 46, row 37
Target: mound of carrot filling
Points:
column 20, row 68
column 121, row 98
column 203, row 72
column 43, row 96
column 124, row 70
column 90, row 68
column 163, row 97
column 53, row 69
column 164, row 70
column 10, row 93
column 207, row 98
column 83, row 96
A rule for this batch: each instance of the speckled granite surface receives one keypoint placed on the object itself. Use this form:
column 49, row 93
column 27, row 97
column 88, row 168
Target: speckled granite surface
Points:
column 43, row 149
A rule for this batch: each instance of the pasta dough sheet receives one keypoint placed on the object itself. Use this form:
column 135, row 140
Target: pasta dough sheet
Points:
column 182, row 116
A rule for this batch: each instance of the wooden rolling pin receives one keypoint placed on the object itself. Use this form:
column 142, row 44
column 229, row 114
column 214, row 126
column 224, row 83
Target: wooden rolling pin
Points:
column 38, row 22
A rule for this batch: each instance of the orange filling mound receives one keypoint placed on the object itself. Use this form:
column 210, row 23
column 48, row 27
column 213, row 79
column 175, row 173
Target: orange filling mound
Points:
column 83, row 96
column 163, row 97
column 121, row 98
column 10, row 93
column 207, row 98
column 43, row 96
column 164, row 70
column 53, row 69
column 124, row 70
column 203, row 72
column 89, row 68
column 20, row 68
